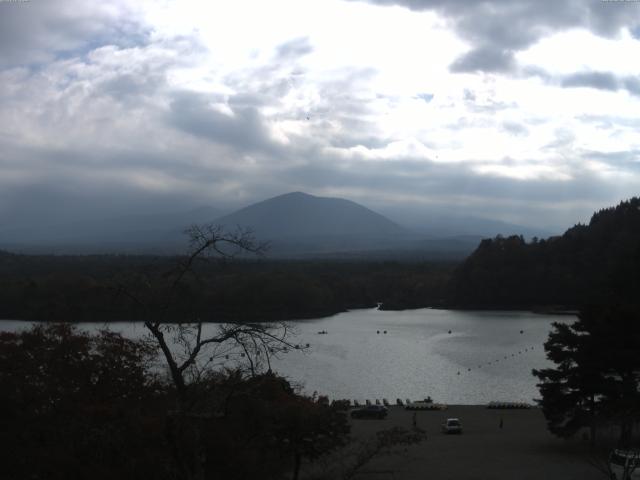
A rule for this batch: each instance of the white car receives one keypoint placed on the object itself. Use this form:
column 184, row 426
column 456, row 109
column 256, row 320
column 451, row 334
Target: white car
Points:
column 624, row 465
column 452, row 425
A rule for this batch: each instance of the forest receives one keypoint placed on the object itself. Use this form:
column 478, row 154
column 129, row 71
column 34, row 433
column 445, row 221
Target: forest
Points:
column 592, row 263
column 86, row 288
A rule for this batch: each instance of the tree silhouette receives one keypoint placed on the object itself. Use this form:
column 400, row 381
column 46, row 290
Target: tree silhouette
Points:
column 189, row 347
column 597, row 372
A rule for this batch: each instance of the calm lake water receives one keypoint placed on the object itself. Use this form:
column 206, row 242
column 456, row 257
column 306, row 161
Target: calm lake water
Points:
column 484, row 358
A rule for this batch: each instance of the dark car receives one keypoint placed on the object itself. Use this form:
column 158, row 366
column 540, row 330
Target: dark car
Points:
column 370, row 411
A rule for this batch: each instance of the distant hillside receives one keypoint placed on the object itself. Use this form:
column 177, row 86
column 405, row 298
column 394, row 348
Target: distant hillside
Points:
column 298, row 223
column 451, row 225
column 135, row 233
column 301, row 215
column 588, row 262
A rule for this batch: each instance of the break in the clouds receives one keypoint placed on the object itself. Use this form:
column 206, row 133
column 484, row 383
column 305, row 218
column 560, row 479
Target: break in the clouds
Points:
column 524, row 111
column 496, row 29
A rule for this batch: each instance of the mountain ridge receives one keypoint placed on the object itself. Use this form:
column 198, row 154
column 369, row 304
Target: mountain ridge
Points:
column 301, row 215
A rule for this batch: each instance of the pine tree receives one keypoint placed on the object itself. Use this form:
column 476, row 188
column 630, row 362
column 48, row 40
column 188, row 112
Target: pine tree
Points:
column 597, row 372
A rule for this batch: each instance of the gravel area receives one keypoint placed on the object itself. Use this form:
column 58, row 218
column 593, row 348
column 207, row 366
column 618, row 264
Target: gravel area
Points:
column 522, row 449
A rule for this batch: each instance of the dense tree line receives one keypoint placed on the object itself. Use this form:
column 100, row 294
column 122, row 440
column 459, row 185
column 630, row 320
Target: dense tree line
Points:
column 85, row 288
column 595, row 261
column 74, row 405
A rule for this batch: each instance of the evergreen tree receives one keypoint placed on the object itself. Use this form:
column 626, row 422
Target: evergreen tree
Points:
column 597, row 373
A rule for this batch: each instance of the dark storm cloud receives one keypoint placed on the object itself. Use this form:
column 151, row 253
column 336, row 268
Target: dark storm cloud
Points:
column 484, row 59
column 497, row 28
column 632, row 84
column 626, row 159
column 77, row 183
column 245, row 129
column 602, row 81
column 445, row 183
column 37, row 31
column 130, row 87
column 598, row 80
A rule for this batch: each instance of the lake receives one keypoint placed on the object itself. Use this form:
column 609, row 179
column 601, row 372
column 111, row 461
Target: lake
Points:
column 456, row 357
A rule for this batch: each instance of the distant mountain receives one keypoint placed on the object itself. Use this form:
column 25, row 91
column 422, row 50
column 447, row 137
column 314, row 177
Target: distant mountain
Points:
column 299, row 215
column 299, row 224
column 157, row 232
column 587, row 263
column 437, row 223
column 452, row 225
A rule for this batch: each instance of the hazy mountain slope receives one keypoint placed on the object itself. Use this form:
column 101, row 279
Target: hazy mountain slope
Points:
column 299, row 215
column 438, row 223
column 101, row 234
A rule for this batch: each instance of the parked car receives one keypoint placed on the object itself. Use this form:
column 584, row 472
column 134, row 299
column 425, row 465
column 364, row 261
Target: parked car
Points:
column 624, row 465
column 452, row 425
column 370, row 411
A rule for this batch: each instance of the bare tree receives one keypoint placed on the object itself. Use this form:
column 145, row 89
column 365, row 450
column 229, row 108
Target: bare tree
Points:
column 191, row 347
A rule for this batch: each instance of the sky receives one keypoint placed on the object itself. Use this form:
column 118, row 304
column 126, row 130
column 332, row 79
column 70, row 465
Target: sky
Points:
column 525, row 111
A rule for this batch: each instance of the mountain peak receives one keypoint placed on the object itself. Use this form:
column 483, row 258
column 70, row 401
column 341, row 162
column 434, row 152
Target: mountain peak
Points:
column 295, row 194
column 300, row 215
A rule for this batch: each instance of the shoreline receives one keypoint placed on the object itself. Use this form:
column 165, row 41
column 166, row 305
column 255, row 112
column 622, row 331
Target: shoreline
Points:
column 319, row 315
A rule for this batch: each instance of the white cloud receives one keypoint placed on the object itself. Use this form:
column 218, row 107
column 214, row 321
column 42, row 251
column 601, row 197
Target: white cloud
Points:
column 580, row 50
column 206, row 99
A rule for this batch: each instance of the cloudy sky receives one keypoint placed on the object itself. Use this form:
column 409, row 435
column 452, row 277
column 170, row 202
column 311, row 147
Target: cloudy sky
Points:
column 521, row 110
